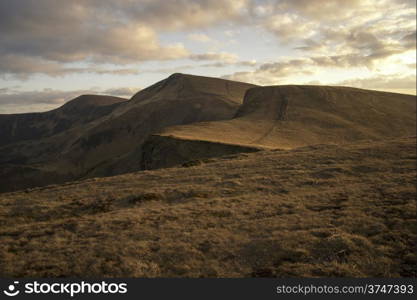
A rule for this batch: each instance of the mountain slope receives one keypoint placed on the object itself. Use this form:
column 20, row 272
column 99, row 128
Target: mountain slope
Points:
column 286, row 117
column 31, row 126
column 112, row 143
column 179, row 99
column 186, row 117
column 318, row 211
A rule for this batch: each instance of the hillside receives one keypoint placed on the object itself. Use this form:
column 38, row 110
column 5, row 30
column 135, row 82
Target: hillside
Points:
column 32, row 126
column 188, row 118
column 316, row 211
column 286, row 117
column 111, row 144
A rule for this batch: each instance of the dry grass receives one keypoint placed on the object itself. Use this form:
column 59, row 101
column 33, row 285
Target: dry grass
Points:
column 316, row 211
column 290, row 116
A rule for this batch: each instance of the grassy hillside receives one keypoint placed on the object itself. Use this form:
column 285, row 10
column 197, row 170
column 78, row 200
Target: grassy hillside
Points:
column 323, row 210
column 291, row 116
column 112, row 143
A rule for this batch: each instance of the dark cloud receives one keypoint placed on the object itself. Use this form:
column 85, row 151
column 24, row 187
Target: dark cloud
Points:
column 38, row 34
column 273, row 73
column 178, row 14
column 409, row 40
column 24, row 66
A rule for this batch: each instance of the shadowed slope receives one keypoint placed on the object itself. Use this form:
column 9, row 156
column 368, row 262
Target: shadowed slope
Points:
column 115, row 146
column 187, row 86
column 112, row 144
column 30, row 126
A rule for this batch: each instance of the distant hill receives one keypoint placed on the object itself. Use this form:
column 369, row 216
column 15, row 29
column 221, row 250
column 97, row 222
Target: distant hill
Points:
column 31, row 126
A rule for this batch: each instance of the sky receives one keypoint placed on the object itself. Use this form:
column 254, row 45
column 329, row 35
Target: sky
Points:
column 52, row 51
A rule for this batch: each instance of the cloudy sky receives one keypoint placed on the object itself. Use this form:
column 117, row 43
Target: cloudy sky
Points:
column 52, row 51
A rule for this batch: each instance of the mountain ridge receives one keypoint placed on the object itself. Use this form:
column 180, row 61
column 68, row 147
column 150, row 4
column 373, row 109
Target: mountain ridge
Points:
column 323, row 113
column 112, row 143
column 229, row 115
column 78, row 111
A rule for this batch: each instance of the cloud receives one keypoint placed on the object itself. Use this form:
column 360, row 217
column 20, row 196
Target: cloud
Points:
column 22, row 66
column 112, row 37
column 175, row 15
column 186, row 68
column 395, row 83
column 331, row 35
column 409, row 40
column 351, row 33
column 287, row 26
column 275, row 72
column 240, row 63
column 41, row 34
column 280, row 72
column 199, row 37
column 220, row 57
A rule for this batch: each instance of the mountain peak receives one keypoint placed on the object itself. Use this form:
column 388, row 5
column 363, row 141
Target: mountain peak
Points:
column 187, row 85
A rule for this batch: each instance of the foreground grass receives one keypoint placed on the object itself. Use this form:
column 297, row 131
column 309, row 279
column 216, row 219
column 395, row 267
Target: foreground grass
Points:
column 316, row 211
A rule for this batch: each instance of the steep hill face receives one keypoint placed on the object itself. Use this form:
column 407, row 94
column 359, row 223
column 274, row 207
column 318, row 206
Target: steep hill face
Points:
column 189, row 86
column 112, row 144
column 286, row 117
column 115, row 145
column 164, row 151
column 31, row 126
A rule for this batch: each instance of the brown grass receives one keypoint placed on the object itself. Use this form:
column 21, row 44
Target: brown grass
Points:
column 316, row 211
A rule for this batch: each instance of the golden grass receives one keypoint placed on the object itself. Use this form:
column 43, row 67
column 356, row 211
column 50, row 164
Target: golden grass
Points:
column 315, row 211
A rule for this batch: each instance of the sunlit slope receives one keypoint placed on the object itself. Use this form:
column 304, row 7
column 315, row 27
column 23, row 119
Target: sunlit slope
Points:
column 292, row 116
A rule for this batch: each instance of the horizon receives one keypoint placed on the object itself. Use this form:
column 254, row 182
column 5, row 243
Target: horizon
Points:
column 51, row 53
